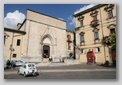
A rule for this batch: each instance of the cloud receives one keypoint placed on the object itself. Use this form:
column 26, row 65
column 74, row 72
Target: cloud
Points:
column 84, row 8
column 13, row 18
column 72, row 20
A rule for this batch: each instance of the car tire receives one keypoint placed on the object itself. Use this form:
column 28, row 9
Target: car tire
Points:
column 24, row 74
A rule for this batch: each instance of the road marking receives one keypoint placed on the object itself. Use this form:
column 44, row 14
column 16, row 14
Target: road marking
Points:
column 65, row 70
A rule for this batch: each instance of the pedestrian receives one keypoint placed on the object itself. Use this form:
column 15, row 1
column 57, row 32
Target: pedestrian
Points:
column 95, row 56
column 8, row 64
column 44, row 55
column 50, row 58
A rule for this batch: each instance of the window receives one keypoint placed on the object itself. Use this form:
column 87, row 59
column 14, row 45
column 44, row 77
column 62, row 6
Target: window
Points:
column 14, row 55
column 112, row 31
column 18, row 42
column 109, row 10
column 24, row 66
column 95, row 17
column 112, row 27
column 96, row 35
column 97, row 49
column 83, row 51
column 81, row 23
column 69, row 47
column 110, row 14
column 80, row 19
column 82, row 36
column 94, row 23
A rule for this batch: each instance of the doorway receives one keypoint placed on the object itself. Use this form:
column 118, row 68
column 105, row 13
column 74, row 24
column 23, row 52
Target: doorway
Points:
column 46, row 51
column 89, row 57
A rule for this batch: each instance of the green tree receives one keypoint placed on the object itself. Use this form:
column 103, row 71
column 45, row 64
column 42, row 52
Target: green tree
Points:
column 113, row 40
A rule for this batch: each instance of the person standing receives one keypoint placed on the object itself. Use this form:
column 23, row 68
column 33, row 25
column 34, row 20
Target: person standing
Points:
column 50, row 58
column 95, row 58
column 8, row 64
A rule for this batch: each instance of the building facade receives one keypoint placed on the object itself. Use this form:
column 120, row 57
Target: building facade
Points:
column 13, row 44
column 70, row 44
column 92, row 25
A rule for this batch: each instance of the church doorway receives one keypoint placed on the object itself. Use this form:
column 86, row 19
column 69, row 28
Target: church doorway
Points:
column 46, row 51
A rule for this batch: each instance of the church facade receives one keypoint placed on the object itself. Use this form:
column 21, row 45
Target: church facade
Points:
column 45, row 37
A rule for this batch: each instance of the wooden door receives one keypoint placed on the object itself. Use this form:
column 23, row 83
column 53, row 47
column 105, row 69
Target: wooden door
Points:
column 89, row 57
column 113, row 52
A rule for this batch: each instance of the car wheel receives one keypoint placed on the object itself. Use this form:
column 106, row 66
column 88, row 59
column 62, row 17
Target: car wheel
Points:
column 24, row 74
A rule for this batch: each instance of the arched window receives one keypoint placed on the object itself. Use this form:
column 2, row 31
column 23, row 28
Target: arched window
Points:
column 96, row 34
column 109, row 10
column 82, row 37
column 111, row 28
column 81, row 19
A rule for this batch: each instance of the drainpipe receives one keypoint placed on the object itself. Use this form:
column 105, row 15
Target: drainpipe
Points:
column 74, row 41
column 102, row 32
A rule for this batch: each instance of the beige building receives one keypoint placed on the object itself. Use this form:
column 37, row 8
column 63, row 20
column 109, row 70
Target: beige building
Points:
column 13, row 44
column 70, row 44
column 91, row 26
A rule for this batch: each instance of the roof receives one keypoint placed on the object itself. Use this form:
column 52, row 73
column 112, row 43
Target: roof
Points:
column 14, row 30
column 88, row 10
column 46, row 15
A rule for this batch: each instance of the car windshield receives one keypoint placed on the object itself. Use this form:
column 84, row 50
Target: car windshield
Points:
column 30, row 65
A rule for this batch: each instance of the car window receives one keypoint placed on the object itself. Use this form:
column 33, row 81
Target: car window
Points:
column 30, row 65
column 24, row 66
column 20, row 61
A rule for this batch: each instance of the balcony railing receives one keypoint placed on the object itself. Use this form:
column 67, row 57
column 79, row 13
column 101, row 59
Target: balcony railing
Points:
column 94, row 23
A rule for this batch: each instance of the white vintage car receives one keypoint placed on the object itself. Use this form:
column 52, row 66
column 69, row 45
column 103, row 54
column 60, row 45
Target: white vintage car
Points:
column 28, row 69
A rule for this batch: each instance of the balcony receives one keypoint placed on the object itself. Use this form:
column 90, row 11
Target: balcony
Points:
column 94, row 23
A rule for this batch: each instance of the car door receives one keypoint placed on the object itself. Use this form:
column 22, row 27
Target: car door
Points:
column 22, row 69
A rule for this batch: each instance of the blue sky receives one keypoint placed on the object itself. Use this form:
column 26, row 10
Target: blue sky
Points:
column 63, row 11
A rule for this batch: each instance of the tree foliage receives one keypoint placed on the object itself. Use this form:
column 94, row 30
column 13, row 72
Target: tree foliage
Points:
column 110, row 40
column 113, row 40
column 106, row 41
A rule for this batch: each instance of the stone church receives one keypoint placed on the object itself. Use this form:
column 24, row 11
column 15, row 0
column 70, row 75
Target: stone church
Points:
column 44, row 36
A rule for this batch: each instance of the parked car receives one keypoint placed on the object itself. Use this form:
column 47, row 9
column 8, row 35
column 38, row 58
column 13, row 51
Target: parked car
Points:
column 15, row 63
column 28, row 69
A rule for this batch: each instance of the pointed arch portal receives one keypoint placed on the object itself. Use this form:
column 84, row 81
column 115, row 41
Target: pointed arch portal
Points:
column 47, row 46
